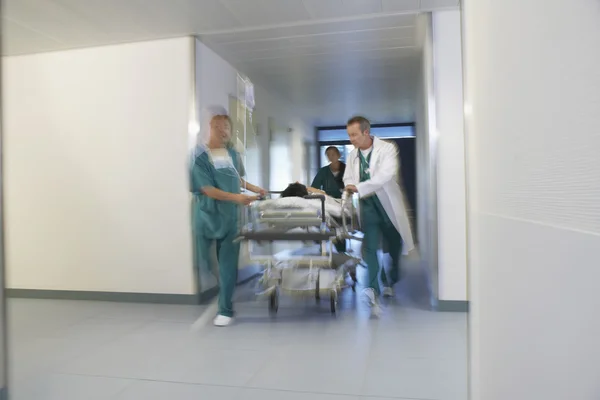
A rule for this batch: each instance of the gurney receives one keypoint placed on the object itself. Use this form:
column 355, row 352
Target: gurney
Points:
column 313, row 219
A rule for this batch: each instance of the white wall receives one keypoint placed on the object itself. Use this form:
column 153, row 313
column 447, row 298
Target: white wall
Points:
column 216, row 79
column 533, row 85
column 96, row 181
column 451, row 190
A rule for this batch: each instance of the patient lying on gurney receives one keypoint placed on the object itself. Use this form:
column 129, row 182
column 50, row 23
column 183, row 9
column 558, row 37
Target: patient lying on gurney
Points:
column 293, row 197
column 332, row 207
column 294, row 190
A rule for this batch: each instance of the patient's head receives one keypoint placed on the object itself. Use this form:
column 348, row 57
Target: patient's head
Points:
column 295, row 190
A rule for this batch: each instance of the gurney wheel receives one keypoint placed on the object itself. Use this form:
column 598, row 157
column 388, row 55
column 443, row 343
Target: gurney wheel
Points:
column 273, row 303
column 333, row 301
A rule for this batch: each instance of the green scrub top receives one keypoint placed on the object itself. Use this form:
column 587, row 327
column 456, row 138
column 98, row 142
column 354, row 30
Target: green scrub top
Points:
column 371, row 208
column 332, row 185
column 214, row 219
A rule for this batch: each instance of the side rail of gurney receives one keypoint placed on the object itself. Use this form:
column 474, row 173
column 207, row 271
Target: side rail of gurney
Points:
column 261, row 228
column 273, row 225
column 268, row 226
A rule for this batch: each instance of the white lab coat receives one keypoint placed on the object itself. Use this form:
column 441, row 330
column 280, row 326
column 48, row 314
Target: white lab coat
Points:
column 385, row 183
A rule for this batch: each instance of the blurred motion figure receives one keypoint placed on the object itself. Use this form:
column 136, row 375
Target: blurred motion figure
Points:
column 216, row 182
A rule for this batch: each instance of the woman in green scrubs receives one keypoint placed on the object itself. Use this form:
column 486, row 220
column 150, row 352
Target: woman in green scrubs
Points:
column 329, row 179
column 217, row 179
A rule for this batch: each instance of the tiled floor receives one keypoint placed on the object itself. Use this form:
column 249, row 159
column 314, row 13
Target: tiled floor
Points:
column 67, row 350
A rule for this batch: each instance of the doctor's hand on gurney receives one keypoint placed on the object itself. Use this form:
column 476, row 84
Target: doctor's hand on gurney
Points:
column 351, row 189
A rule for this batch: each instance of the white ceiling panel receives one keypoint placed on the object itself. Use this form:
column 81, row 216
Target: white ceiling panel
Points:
column 322, row 47
column 115, row 18
column 286, row 11
column 323, row 70
column 400, row 5
column 359, row 7
column 53, row 20
column 331, row 58
column 342, row 51
column 330, row 65
column 356, row 36
column 395, row 37
column 433, row 4
column 393, row 21
column 250, row 13
column 320, row 9
column 245, row 46
column 266, row 12
column 24, row 40
column 185, row 16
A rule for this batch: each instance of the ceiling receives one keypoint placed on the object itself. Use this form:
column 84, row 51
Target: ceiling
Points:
column 330, row 58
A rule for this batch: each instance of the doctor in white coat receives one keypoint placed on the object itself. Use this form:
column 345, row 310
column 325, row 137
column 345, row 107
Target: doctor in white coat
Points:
column 372, row 171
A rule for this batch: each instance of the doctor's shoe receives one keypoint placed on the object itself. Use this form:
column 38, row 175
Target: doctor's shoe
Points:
column 388, row 292
column 372, row 302
column 222, row 321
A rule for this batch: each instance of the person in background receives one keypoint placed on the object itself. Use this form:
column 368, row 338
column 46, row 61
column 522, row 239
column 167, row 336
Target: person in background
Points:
column 216, row 182
column 329, row 181
column 329, row 178
column 373, row 173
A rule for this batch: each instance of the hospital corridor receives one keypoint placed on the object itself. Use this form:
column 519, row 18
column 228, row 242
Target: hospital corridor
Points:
column 299, row 199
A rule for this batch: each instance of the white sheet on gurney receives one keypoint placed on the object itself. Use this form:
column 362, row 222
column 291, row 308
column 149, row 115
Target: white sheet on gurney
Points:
column 333, row 207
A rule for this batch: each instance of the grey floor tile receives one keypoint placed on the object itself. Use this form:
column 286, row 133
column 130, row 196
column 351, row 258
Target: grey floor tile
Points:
column 145, row 312
column 260, row 394
column 144, row 390
column 69, row 387
column 211, row 366
column 50, row 350
column 409, row 342
column 134, row 355
column 409, row 353
column 393, row 398
column 257, row 331
column 416, row 379
column 314, row 368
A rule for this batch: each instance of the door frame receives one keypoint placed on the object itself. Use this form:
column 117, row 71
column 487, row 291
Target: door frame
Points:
column 340, row 127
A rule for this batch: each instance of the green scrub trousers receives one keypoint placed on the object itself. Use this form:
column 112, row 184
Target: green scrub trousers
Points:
column 217, row 221
column 377, row 226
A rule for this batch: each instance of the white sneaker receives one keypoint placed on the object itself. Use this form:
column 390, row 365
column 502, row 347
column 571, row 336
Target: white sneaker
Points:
column 388, row 292
column 222, row 321
column 373, row 302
